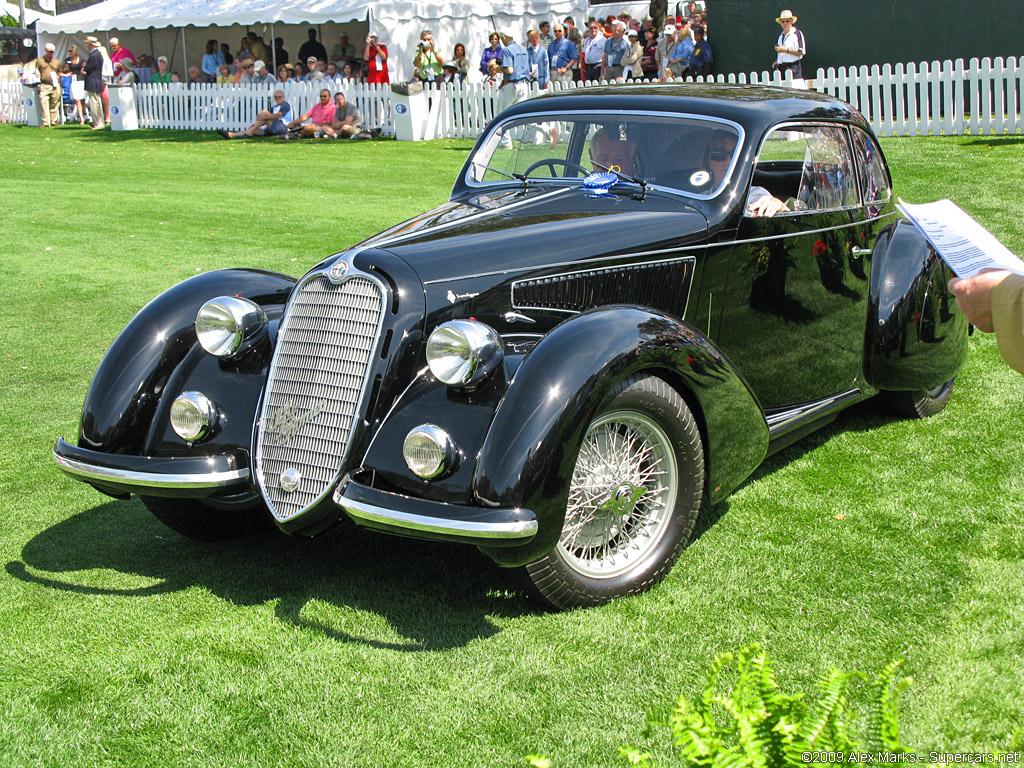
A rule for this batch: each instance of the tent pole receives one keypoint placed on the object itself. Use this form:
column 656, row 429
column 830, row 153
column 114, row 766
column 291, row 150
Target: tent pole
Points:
column 174, row 52
column 273, row 48
column 184, row 52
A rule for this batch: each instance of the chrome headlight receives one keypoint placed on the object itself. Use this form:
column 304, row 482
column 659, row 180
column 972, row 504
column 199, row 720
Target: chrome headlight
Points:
column 224, row 324
column 193, row 416
column 463, row 352
column 429, row 451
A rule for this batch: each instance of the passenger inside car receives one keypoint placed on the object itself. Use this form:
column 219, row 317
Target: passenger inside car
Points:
column 717, row 157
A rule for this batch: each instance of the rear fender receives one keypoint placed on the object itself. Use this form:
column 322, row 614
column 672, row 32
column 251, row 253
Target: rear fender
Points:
column 530, row 450
column 916, row 334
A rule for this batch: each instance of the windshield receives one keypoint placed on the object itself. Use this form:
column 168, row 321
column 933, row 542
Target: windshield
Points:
column 690, row 154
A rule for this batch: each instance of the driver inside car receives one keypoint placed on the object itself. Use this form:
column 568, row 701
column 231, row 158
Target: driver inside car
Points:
column 611, row 151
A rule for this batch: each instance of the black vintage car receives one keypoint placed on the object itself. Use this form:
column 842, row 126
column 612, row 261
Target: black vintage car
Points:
column 592, row 340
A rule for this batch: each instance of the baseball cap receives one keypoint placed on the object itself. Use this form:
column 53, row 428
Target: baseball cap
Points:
column 51, row 47
column 670, row 29
column 259, row 65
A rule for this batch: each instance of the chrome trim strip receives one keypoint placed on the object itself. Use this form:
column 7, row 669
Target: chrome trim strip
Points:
column 361, row 511
column 80, row 469
column 783, row 421
column 696, row 247
column 859, row 223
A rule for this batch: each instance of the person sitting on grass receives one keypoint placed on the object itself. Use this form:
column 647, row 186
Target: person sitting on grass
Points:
column 348, row 120
column 269, row 122
column 320, row 117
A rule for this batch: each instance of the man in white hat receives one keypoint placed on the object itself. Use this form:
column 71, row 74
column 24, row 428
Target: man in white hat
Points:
column 49, row 67
column 791, row 47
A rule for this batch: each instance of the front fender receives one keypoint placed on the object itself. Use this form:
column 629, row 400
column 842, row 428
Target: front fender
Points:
column 916, row 333
column 529, row 453
column 157, row 355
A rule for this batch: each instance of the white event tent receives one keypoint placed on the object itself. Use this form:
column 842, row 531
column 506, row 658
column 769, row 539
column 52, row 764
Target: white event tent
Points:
column 179, row 29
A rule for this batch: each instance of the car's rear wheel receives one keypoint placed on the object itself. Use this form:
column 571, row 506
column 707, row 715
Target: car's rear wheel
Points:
column 202, row 522
column 635, row 495
column 920, row 404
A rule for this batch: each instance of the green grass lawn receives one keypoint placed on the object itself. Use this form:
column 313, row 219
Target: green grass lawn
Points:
column 125, row 644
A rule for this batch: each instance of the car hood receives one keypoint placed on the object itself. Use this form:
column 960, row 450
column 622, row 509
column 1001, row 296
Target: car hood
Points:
column 518, row 230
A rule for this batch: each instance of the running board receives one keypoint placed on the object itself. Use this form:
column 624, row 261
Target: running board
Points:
column 784, row 422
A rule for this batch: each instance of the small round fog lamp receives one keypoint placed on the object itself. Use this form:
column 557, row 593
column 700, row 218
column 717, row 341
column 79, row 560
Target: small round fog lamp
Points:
column 193, row 416
column 429, row 451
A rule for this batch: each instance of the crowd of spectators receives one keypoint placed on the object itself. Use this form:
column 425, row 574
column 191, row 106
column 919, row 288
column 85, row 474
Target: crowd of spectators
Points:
column 253, row 62
column 615, row 48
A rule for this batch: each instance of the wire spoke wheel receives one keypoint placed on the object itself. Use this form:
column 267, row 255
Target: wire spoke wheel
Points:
column 622, row 496
column 633, row 499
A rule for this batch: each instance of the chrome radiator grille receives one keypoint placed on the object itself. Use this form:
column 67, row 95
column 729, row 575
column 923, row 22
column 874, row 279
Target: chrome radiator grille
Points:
column 315, row 385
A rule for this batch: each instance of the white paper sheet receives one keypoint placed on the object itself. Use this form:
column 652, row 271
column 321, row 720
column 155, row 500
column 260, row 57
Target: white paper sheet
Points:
column 961, row 241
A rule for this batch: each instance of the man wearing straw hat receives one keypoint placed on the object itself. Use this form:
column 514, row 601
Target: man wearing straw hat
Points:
column 791, row 47
column 94, row 84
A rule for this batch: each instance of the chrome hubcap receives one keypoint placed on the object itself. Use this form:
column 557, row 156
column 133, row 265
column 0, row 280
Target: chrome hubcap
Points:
column 622, row 496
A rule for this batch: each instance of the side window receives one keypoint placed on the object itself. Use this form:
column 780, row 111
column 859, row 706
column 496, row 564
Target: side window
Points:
column 809, row 167
column 874, row 181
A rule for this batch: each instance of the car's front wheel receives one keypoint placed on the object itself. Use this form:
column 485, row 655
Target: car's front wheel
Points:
column 202, row 522
column 635, row 495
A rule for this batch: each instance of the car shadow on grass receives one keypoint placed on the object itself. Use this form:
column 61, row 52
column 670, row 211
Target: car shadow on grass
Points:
column 432, row 595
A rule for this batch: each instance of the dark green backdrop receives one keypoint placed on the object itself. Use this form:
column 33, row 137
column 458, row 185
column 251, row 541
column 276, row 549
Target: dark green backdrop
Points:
column 844, row 33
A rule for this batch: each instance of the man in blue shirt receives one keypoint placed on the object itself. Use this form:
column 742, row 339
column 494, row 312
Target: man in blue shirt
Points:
column 269, row 122
column 515, row 64
column 615, row 47
column 562, row 54
column 701, row 57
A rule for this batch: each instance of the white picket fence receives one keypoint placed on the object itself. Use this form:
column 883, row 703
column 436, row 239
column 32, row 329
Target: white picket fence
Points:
column 947, row 98
column 12, row 105
column 233, row 107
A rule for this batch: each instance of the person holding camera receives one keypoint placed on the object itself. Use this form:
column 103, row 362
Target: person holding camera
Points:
column 375, row 54
column 428, row 63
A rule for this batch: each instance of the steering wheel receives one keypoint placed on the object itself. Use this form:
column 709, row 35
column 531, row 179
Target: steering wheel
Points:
column 551, row 162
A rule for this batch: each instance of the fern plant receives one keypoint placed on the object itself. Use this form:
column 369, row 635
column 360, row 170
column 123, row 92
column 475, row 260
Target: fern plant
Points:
column 755, row 725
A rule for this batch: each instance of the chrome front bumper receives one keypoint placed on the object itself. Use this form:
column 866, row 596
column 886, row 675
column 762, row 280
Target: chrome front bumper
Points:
column 419, row 518
column 181, row 476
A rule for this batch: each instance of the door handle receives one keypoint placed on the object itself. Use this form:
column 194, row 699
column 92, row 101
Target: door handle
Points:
column 861, row 251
